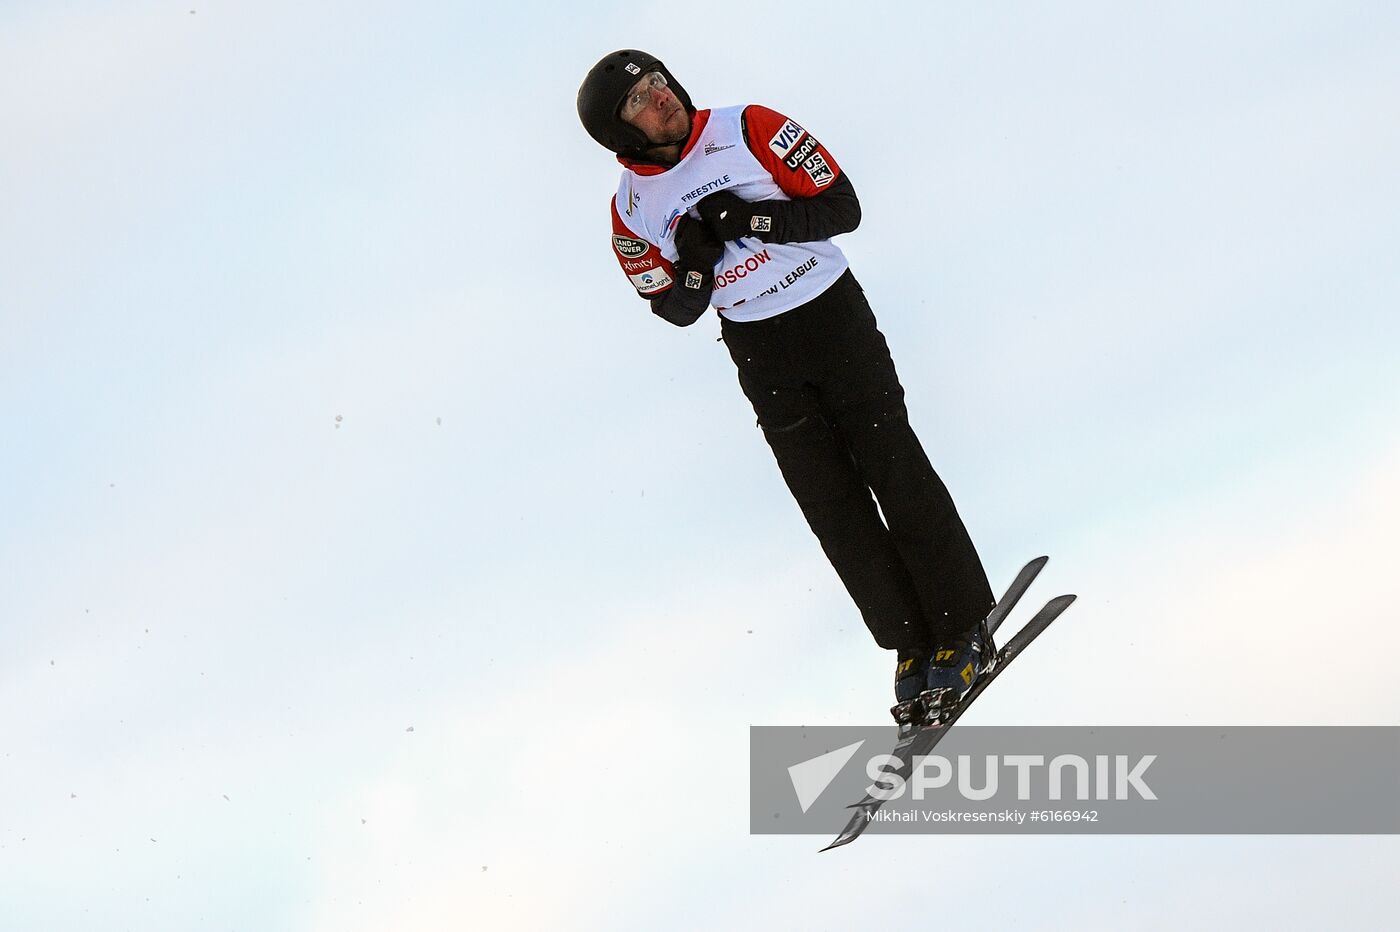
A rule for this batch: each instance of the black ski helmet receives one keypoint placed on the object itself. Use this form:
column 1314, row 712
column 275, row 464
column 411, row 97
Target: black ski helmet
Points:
column 601, row 94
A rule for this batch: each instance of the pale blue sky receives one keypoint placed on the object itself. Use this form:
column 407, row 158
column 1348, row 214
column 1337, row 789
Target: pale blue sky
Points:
column 331, row 416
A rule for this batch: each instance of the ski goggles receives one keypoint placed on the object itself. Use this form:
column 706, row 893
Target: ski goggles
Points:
column 638, row 99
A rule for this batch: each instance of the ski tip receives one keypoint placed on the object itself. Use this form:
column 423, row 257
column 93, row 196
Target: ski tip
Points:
column 842, row 839
column 1040, row 561
column 850, row 833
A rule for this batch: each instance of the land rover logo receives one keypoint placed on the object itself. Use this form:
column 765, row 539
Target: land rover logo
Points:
column 629, row 248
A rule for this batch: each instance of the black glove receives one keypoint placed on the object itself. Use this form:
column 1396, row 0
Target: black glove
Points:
column 697, row 252
column 729, row 216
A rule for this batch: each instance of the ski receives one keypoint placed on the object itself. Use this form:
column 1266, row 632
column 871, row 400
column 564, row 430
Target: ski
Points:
column 922, row 740
column 1013, row 593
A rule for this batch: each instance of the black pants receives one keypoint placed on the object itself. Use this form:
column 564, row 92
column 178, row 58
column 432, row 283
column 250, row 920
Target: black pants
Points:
column 822, row 383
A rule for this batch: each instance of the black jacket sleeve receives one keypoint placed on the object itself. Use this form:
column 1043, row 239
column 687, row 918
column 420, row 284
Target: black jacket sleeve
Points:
column 682, row 306
column 812, row 219
column 808, row 219
column 698, row 252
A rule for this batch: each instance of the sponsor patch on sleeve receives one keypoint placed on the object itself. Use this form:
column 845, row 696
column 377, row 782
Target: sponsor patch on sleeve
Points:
column 799, row 155
column 627, row 247
column 820, row 172
column 693, row 279
column 651, row 281
column 786, row 138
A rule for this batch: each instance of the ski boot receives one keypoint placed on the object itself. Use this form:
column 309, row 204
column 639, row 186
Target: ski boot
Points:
column 954, row 667
column 910, row 682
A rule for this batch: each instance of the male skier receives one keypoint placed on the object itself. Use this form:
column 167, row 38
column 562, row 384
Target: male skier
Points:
column 735, row 208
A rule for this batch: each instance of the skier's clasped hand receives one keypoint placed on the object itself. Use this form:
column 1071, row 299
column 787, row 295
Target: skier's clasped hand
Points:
column 729, row 216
